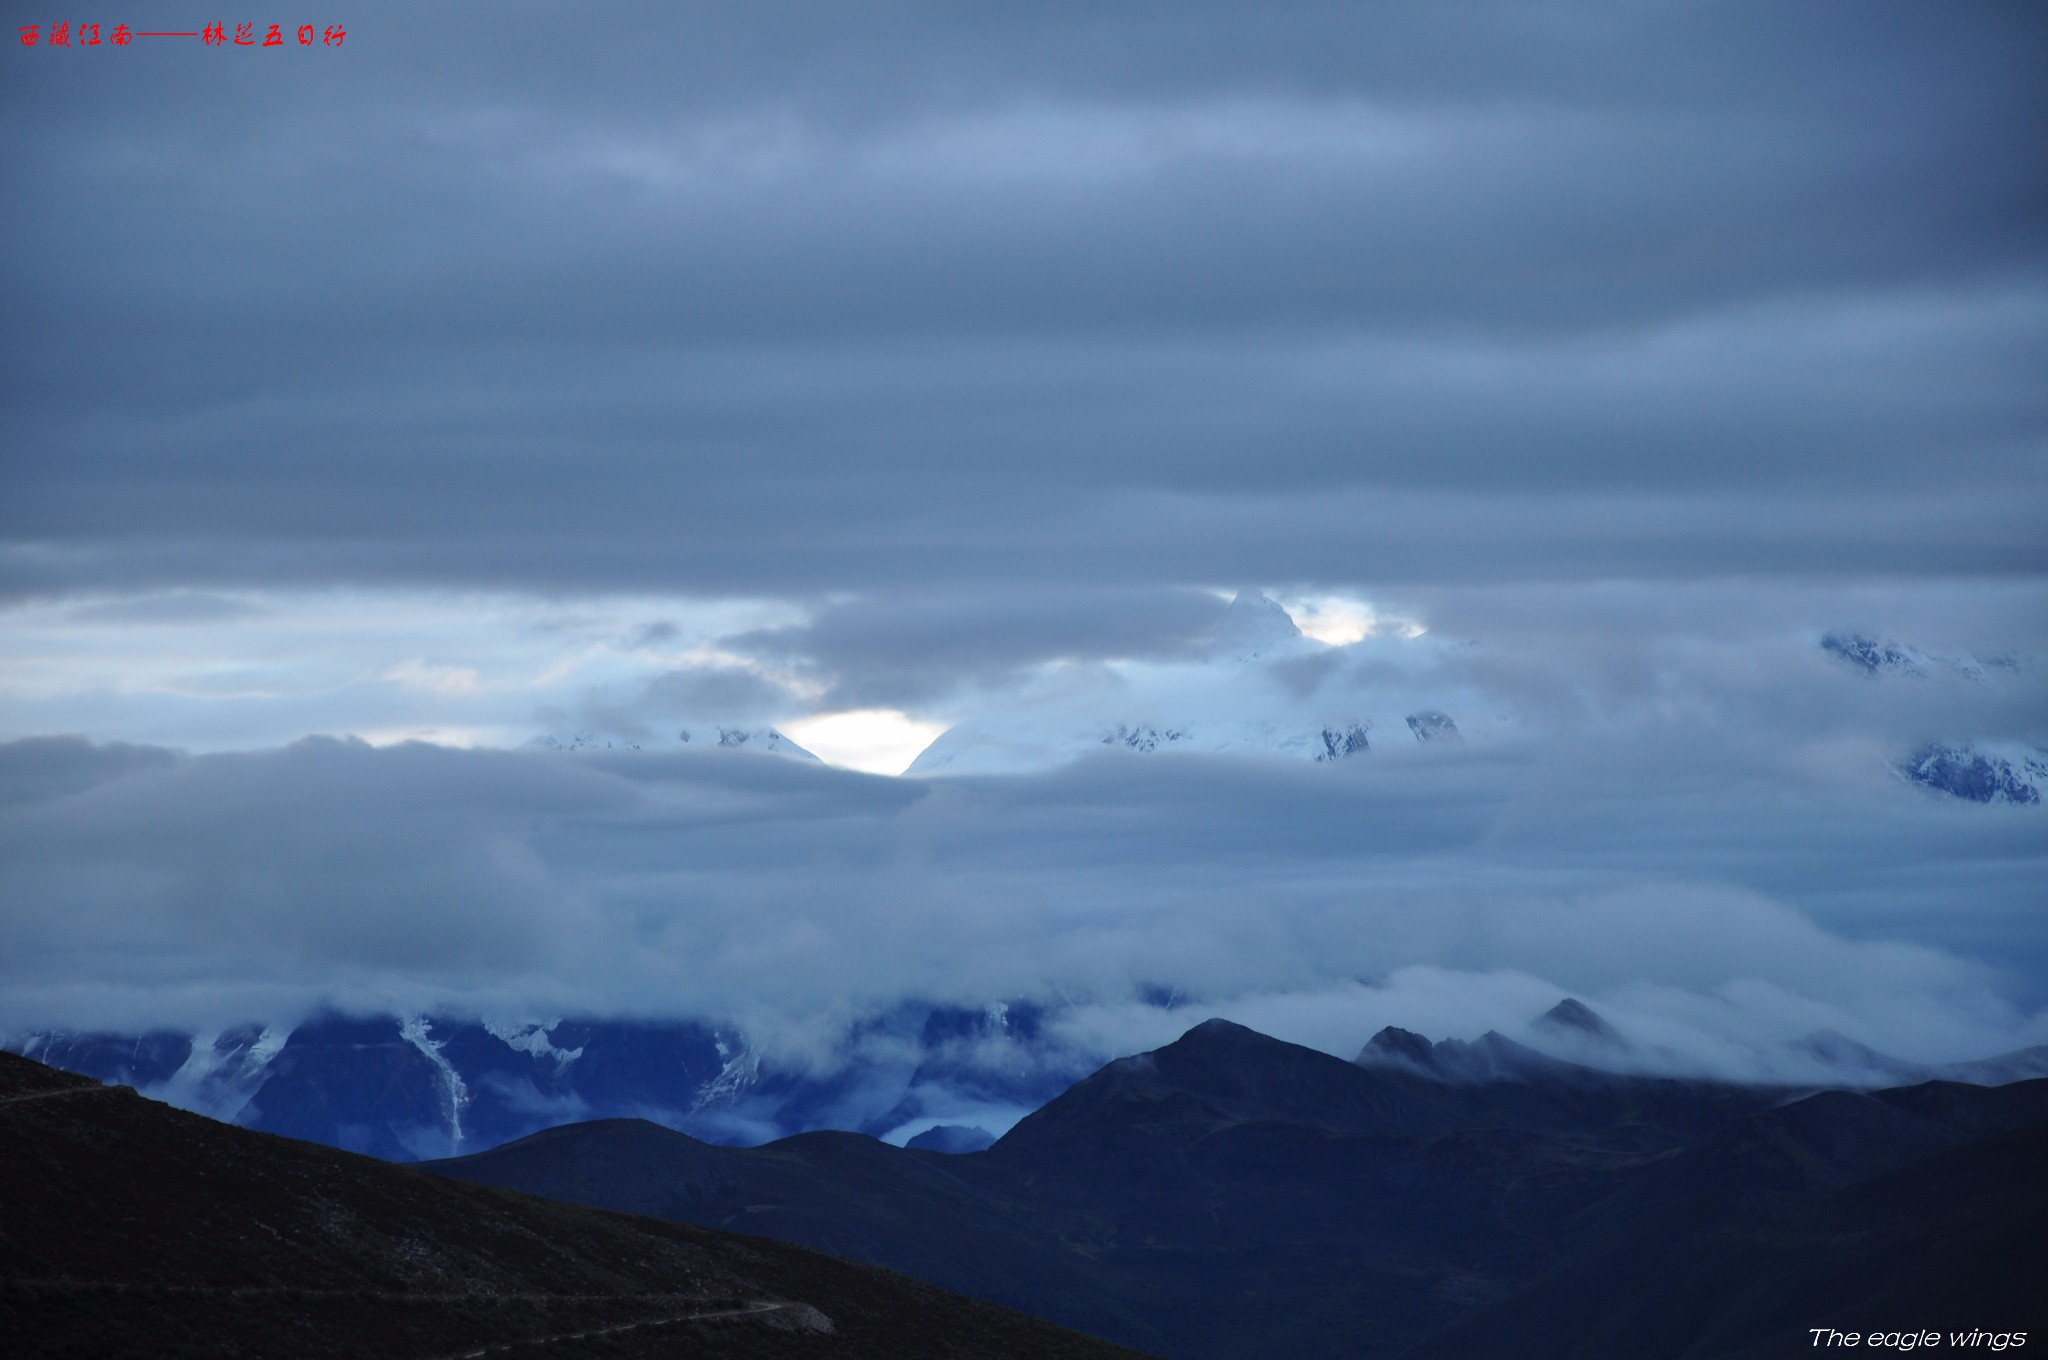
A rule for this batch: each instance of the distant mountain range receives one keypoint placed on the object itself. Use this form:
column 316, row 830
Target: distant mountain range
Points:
column 1234, row 1196
column 1220, row 698
column 698, row 736
column 408, row 1087
column 134, row 1231
column 412, row 1087
column 1225, row 1197
column 1232, row 696
column 1223, row 699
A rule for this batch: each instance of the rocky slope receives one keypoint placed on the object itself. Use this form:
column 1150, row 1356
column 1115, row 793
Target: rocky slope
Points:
column 134, row 1229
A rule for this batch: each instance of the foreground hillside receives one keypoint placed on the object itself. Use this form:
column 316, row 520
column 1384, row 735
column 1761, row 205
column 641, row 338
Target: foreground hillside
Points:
column 134, row 1229
column 1231, row 1196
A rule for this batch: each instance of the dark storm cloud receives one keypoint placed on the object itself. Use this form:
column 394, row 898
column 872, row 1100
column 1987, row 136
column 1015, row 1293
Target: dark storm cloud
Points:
column 44, row 768
column 910, row 649
column 767, row 298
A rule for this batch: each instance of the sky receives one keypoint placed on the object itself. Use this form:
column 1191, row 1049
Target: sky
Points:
column 872, row 370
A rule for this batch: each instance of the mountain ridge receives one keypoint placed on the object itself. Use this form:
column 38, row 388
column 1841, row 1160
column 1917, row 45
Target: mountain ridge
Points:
column 134, row 1229
column 402, row 1087
column 1229, row 1194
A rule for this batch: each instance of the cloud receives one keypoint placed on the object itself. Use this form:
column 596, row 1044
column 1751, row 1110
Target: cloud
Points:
column 1724, row 884
column 415, row 673
column 925, row 645
column 941, row 361
column 41, row 769
column 172, row 608
column 712, row 692
column 731, row 302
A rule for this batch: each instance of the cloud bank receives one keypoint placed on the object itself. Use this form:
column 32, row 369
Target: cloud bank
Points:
column 1721, row 874
column 526, row 371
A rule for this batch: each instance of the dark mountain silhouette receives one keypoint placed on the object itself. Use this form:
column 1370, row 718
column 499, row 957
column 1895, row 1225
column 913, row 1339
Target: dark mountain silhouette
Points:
column 432, row 1086
column 1574, row 1019
column 134, row 1229
column 952, row 1138
column 1780, row 1231
column 1231, row 1195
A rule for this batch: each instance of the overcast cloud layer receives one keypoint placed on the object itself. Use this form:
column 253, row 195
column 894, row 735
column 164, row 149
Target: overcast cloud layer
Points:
column 766, row 298
column 515, row 368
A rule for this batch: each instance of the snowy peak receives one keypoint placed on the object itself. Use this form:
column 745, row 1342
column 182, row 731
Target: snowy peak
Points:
column 1256, row 686
column 1976, row 772
column 1431, row 725
column 1142, row 737
column 1979, row 775
column 1875, row 656
column 1255, row 626
column 750, row 738
column 1343, row 741
column 1885, row 657
column 700, row 736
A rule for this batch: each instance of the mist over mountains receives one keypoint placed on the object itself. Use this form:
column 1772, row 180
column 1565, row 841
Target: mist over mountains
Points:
column 1317, row 840
column 405, row 1088
column 1228, row 1194
column 845, row 573
column 1254, row 685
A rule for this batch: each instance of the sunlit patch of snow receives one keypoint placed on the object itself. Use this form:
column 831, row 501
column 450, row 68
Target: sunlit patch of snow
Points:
column 877, row 740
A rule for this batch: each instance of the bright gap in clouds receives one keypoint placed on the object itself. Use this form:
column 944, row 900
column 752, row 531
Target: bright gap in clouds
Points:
column 877, row 740
column 1338, row 620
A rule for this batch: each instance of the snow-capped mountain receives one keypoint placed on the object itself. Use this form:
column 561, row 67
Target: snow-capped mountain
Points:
column 1980, row 774
column 413, row 1086
column 1256, row 686
column 1975, row 771
column 702, row 736
column 1883, row 656
column 407, row 1087
column 1256, row 627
